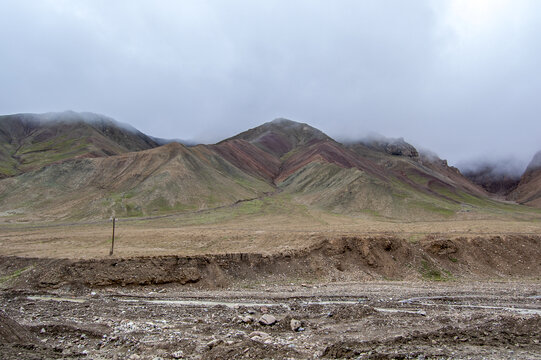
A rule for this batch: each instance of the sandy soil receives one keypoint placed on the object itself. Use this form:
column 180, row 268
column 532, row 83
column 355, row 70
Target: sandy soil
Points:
column 183, row 235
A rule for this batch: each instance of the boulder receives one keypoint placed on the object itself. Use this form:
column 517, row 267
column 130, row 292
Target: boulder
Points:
column 267, row 319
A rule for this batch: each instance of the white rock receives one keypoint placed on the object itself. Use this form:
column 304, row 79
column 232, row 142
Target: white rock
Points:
column 247, row 319
column 177, row 354
column 261, row 334
column 267, row 319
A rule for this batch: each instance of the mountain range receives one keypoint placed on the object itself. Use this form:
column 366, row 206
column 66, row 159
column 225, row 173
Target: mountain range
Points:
column 82, row 165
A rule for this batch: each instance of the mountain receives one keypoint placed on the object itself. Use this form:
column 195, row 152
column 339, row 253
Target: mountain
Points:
column 281, row 136
column 387, row 177
column 168, row 178
column 491, row 178
column 528, row 190
column 31, row 141
column 381, row 180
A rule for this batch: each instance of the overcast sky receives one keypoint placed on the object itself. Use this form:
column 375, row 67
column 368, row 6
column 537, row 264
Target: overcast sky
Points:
column 461, row 78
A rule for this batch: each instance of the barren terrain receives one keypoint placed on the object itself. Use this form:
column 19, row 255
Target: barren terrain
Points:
column 376, row 320
column 197, row 286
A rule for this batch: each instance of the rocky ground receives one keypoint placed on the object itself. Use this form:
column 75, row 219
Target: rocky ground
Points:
column 369, row 320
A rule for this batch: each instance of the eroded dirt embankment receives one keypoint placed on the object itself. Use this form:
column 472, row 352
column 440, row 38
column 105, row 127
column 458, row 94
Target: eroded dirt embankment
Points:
column 339, row 259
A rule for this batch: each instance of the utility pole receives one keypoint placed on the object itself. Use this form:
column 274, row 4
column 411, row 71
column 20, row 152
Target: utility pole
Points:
column 113, row 239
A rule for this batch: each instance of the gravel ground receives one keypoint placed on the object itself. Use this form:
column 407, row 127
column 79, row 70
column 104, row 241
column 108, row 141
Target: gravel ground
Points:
column 369, row 320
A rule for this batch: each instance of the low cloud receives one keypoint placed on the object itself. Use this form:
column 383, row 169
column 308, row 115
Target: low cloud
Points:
column 458, row 77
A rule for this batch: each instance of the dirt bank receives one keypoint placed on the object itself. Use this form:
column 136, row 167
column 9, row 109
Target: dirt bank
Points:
column 340, row 259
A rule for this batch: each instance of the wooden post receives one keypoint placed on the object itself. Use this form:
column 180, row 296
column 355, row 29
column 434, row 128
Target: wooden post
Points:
column 112, row 239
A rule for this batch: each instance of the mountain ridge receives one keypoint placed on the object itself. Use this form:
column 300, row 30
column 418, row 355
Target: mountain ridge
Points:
column 30, row 141
column 388, row 178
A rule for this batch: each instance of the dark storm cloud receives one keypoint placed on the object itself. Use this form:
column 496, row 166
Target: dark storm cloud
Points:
column 458, row 77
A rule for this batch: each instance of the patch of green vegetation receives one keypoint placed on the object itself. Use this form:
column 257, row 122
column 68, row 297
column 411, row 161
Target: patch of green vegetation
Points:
column 415, row 238
column 370, row 212
column 433, row 208
column 133, row 210
column 249, row 207
column 60, row 144
column 418, row 179
column 411, row 197
column 246, row 183
column 15, row 274
column 212, row 200
column 459, row 196
column 276, row 204
column 430, row 273
column 289, row 154
column 485, row 205
column 453, row 259
column 160, row 205
column 399, row 195
column 36, row 155
column 7, row 168
column 315, row 177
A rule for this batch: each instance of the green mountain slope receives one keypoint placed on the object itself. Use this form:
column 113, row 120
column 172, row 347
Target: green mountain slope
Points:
column 164, row 179
column 31, row 141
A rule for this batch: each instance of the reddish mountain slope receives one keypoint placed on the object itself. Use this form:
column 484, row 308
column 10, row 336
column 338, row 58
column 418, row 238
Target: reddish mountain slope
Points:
column 327, row 151
column 249, row 158
column 281, row 136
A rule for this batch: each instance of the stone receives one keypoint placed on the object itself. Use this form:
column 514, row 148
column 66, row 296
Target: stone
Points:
column 267, row 319
column 213, row 343
column 248, row 319
column 259, row 336
column 177, row 354
column 295, row 324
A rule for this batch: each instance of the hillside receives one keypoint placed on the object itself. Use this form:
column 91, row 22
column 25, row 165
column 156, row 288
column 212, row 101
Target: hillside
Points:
column 98, row 177
column 168, row 178
column 382, row 177
column 528, row 191
column 31, row 141
column 384, row 180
